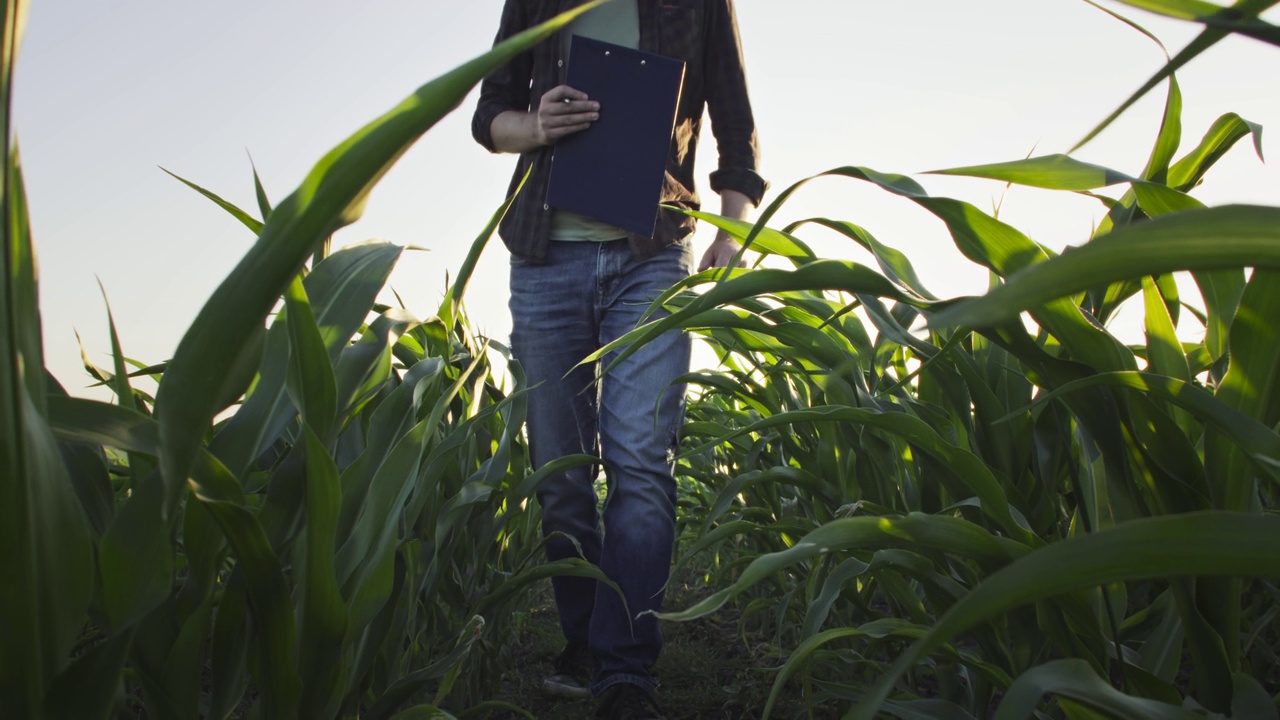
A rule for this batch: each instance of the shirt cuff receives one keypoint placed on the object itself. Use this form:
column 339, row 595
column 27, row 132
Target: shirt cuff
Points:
column 747, row 182
column 482, row 121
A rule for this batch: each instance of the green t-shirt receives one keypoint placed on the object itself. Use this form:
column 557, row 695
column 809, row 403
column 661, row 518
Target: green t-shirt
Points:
column 617, row 22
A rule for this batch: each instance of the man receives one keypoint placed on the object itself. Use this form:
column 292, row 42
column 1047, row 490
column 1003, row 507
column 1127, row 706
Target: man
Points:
column 576, row 284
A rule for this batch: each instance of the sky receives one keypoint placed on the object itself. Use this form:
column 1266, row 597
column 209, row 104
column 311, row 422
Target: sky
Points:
column 108, row 93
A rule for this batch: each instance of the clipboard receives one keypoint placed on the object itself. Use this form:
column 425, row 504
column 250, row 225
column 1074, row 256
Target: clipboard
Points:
column 613, row 171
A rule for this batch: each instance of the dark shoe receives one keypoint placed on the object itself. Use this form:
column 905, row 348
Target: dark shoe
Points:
column 628, row 702
column 572, row 677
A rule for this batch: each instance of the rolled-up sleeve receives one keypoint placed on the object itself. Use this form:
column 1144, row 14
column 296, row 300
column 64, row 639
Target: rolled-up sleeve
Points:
column 507, row 88
column 732, row 121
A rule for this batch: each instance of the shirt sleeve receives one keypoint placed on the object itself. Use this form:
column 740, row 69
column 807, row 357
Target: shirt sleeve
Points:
column 732, row 122
column 507, row 88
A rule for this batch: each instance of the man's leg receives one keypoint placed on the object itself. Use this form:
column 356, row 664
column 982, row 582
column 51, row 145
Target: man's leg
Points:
column 553, row 312
column 640, row 416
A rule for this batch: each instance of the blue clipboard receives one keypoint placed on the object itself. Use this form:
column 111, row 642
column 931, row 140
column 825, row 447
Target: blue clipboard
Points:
column 613, row 171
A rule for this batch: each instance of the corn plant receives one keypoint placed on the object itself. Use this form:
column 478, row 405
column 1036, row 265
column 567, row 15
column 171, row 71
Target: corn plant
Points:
column 320, row 514
column 953, row 507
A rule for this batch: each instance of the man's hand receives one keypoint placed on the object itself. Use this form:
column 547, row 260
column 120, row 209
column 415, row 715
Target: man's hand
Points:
column 720, row 252
column 561, row 111
column 733, row 204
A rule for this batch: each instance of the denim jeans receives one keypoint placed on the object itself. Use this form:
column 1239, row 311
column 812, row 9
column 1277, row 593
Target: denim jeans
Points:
column 585, row 295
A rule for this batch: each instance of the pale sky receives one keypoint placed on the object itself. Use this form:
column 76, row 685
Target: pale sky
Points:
column 107, row 92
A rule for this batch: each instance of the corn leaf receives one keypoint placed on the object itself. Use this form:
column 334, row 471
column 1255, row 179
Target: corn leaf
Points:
column 310, row 381
column 914, row 532
column 1209, row 239
column 340, row 290
column 1053, row 172
column 254, row 225
column 323, row 616
column 1210, row 543
column 1074, row 679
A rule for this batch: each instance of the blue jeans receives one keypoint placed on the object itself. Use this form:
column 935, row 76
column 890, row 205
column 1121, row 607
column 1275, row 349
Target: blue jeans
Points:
column 585, row 295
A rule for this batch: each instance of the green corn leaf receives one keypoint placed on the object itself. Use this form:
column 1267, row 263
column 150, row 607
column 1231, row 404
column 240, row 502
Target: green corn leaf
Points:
column 772, row 476
column 1225, row 132
column 1221, row 290
column 89, row 686
column 1075, row 679
column 1209, row 239
column 1169, row 138
column 1006, row 251
column 1251, row 700
column 914, row 531
column 767, row 240
column 834, row 584
column 1181, row 9
column 1220, row 24
column 528, row 486
column 423, row 712
column 394, row 418
column 926, row 710
column 184, row 664
column 254, row 225
column 1251, row 386
column 310, row 380
column 264, row 203
column 1240, row 18
column 323, row 622
column 1161, row 653
column 341, row 290
column 23, row 297
column 893, row 263
column 136, row 557
column 388, row 489
column 228, row 655
column 569, row 567
column 1211, row 543
column 42, row 526
column 967, row 468
column 1053, row 172
column 374, row 608
column 410, row 684
column 332, row 195
column 364, row 368
column 205, row 549
column 1257, row 440
column 87, row 465
column 89, row 421
column 1211, row 616
column 1156, row 200
column 46, row 544
column 1164, row 352
column 878, row 629
column 271, row 610
column 819, row 275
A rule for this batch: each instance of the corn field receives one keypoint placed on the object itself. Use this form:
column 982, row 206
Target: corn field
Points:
column 937, row 507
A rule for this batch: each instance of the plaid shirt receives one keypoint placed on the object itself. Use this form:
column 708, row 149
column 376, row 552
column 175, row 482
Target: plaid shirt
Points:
column 703, row 33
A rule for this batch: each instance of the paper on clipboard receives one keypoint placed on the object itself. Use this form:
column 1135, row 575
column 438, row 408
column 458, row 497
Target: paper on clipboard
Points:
column 613, row 170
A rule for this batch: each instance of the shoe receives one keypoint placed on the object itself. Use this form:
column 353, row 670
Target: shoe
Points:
column 628, row 702
column 572, row 676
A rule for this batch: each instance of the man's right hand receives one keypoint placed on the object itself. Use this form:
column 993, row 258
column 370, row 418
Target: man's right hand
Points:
column 563, row 111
